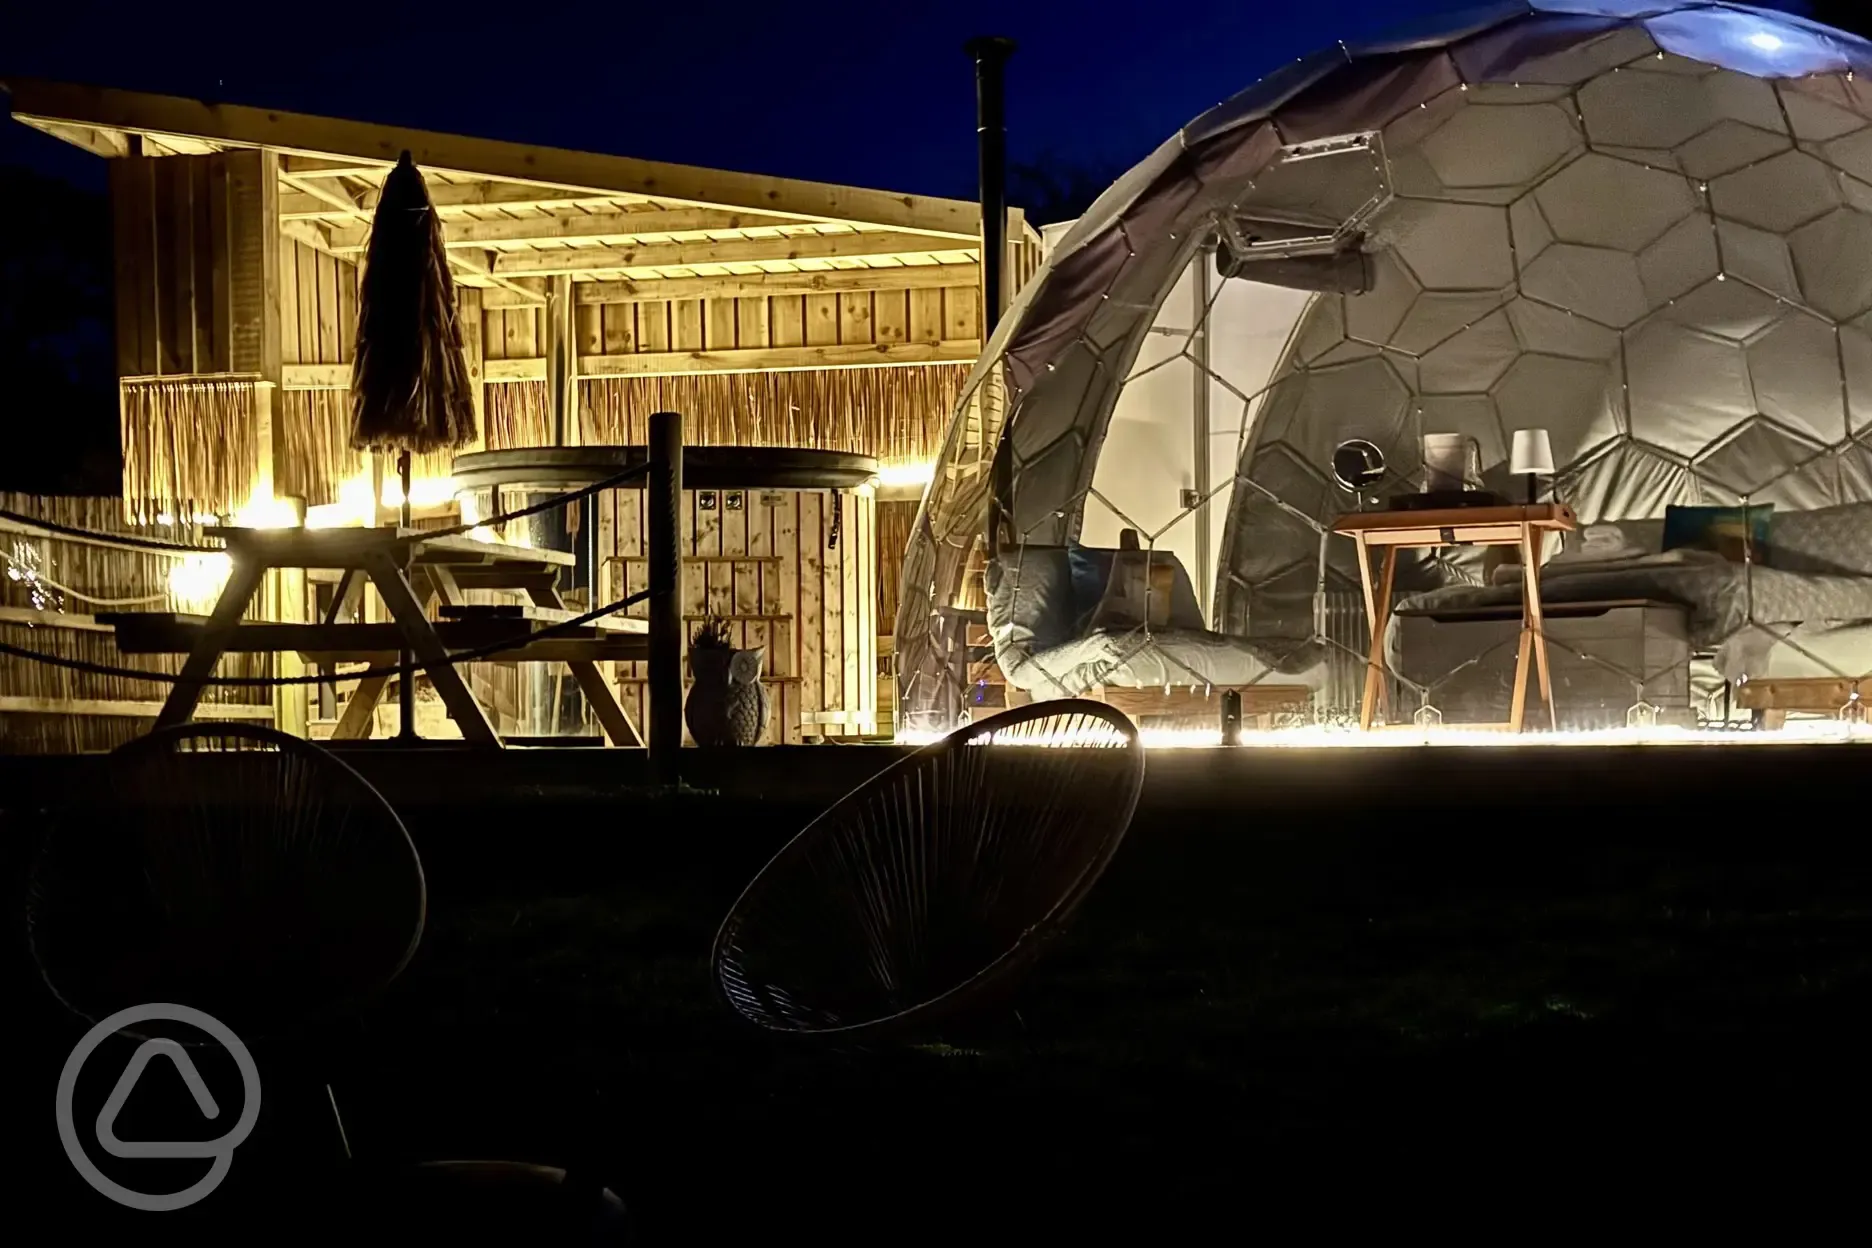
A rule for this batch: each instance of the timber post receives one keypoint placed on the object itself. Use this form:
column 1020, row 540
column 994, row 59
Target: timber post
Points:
column 665, row 585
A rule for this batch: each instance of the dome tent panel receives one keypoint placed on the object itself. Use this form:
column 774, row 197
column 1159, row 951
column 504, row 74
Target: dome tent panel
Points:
column 1537, row 329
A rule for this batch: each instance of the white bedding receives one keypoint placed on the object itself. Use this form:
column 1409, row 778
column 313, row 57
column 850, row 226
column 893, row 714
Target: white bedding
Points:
column 1803, row 651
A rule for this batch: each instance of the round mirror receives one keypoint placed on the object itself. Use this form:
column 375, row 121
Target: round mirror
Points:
column 1357, row 465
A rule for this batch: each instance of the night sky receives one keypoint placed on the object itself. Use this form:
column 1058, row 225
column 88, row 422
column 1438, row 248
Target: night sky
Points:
column 868, row 95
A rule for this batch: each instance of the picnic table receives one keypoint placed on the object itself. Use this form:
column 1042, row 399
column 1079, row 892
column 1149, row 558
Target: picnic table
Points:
column 449, row 565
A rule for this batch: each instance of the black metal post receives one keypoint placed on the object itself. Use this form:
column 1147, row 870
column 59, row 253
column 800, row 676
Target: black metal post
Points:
column 990, row 53
column 665, row 584
column 406, row 679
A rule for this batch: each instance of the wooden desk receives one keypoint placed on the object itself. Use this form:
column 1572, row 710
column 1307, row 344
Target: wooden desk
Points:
column 447, row 563
column 1391, row 531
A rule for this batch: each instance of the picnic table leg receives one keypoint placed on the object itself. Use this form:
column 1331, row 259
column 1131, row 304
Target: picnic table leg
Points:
column 360, row 712
column 591, row 682
column 243, row 579
column 421, row 638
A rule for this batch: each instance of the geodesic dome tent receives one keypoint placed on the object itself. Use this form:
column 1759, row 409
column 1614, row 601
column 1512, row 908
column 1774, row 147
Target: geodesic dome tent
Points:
column 1643, row 226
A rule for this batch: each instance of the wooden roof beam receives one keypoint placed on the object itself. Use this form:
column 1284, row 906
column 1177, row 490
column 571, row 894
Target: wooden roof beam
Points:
column 99, row 142
column 762, row 285
column 591, row 227
column 460, row 197
column 333, row 139
column 866, row 246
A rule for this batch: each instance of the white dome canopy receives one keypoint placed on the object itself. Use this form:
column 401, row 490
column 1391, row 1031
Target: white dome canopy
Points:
column 1643, row 227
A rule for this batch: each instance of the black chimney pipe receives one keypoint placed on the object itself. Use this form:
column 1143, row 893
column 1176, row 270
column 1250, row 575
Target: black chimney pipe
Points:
column 990, row 53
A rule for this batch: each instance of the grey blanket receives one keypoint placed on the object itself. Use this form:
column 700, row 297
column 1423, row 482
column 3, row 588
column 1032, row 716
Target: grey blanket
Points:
column 1720, row 597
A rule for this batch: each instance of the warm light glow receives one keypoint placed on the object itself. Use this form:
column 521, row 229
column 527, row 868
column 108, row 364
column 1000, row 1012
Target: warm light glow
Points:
column 267, row 513
column 1321, row 737
column 196, row 580
column 905, row 475
column 1766, row 42
column 354, row 510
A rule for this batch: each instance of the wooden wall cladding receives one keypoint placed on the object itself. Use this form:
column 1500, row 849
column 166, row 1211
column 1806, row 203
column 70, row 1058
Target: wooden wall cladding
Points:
column 318, row 305
column 194, row 265
column 792, row 570
column 851, row 318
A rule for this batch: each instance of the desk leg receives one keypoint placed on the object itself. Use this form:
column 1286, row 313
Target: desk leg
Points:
column 1386, row 580
column 243, row 579
column 1532, row 540
column 1369, row 697
column 421, row 637
column 591, row 682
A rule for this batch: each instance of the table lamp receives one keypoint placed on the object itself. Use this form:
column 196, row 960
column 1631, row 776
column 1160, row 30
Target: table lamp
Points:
column 1531, row 456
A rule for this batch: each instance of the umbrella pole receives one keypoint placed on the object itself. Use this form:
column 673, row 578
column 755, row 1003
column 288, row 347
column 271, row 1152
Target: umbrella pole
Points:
column 406, row 681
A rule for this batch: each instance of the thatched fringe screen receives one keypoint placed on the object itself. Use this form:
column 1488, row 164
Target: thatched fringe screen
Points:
column 894, row 521
column 900, row 415
column 49, row 589
column 312, row 441
column 517, row 415
column 189, row 448
column 313, row 453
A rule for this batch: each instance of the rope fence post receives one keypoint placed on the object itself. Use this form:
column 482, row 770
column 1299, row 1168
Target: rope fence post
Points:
column 665, row 585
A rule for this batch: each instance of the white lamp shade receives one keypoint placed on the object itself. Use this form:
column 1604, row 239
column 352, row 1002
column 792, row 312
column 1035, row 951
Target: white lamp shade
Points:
column 1531, row 454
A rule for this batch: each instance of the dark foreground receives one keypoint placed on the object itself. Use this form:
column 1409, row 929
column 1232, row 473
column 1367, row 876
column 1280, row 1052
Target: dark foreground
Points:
column 1307, row 983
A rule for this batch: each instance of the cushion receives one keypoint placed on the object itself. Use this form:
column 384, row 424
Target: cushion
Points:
column 1598, row 543
column 1728, row 531
column 1091, row 569
column 1157, row 592
column 1030, row 601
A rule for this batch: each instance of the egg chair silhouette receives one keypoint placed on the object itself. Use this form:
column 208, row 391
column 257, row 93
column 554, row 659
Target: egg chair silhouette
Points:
column 231, row 868
column 925, row 892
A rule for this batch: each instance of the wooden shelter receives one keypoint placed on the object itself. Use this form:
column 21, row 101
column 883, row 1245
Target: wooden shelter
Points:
column 594, row 289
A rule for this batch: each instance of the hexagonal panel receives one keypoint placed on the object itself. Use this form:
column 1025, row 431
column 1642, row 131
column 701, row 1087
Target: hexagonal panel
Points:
column 1643, row 110
column 1758, row 258
column 1043, row 487
column 1473, row 360
column 1778, row 194
column 1321, row 329
column 1628, row 479
column 1603, row 202
column 1374, row 315
column 1578, row 62
column 1796, row 370
column 1365, row 399
column 1728, row 146
column 1450, row 246
column 1285, row 473
column 1592, row 281
column 1855, row 472
column 1685, row 386
column 1853, row 153
column 1483, row 145
column 1815, row 120
column 1438, row 317
column 1557, row 331
column 1833, row 257
column 1753, row 457
column 1681, row 261
column 1733, row 310
column 1571, row 399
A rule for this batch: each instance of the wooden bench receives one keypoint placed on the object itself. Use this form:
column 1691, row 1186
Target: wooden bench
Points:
column 1771, row 698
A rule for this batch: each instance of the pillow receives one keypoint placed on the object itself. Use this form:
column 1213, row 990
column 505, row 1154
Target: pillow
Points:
column 1597, row 543
column 1030, row 605
column 1725, row 530
column 1091, row 569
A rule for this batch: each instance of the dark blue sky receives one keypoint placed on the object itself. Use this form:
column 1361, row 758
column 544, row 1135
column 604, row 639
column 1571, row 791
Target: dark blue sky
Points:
column 870, row 95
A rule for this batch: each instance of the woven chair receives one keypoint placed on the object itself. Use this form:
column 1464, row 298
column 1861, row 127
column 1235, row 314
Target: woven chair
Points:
column 260, row 878
column 925, row 892
column 231, row 868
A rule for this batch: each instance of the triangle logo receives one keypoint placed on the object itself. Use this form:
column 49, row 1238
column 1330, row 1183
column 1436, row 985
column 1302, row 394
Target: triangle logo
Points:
column 126, row 1083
